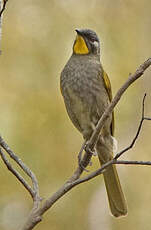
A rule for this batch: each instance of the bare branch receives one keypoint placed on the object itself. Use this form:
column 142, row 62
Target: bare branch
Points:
column 22, row 165
column 3, row 7
column 122, row 162
column 137, row 133
column 103, row 168
column 19, row 177
column 81, row 167
column 147, row 118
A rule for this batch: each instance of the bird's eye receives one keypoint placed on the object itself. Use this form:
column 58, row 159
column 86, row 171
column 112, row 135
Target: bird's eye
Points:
column 92, row 39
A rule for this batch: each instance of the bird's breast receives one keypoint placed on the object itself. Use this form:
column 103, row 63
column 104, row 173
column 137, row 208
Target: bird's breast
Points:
column 81, row 77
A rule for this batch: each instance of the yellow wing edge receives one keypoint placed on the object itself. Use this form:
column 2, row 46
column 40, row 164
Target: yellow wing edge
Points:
column 107, row 84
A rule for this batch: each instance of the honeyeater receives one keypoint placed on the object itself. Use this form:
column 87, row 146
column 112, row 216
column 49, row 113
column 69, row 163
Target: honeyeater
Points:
column 86, row 90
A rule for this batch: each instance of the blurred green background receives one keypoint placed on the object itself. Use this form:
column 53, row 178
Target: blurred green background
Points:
column 36, row 43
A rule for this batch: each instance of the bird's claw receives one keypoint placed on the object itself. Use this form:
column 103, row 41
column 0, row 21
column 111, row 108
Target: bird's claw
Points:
column 89, row 151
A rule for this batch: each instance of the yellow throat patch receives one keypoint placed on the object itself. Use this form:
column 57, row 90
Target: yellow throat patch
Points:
column 80, row 46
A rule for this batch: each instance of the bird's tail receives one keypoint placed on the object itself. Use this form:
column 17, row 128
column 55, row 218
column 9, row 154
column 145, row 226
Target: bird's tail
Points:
column 115, row 194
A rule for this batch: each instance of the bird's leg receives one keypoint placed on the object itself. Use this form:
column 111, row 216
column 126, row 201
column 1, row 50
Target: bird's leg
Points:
column 80, row 157
column 88, row 150
column 86, row 135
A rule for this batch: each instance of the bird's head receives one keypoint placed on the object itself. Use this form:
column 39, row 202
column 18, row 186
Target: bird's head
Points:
column 86, row 42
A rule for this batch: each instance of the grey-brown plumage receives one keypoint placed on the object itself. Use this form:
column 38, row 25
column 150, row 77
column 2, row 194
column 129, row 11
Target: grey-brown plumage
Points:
column 86, row 91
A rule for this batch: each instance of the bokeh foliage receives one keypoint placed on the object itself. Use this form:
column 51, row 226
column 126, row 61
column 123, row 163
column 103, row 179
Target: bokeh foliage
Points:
column 37, row 41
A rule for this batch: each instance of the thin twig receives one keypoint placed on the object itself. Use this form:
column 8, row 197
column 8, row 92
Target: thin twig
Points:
column 122, row 162
column 3, row 7
column 147, row 118
column 103, row 168
column 137, row 133
column 22, row 165
column 17, row 175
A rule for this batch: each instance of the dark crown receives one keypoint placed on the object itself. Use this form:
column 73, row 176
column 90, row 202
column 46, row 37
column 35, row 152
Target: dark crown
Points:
column 89, row 34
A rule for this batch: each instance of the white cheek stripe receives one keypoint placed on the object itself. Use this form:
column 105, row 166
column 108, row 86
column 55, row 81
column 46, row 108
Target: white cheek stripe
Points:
column 96, row 43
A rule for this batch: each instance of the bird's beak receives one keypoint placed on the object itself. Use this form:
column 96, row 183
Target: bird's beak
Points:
column 78, row 31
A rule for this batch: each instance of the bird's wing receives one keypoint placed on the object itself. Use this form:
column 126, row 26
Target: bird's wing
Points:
column 109, row 92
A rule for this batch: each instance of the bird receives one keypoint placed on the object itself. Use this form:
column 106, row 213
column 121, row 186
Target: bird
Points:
column 86, row 90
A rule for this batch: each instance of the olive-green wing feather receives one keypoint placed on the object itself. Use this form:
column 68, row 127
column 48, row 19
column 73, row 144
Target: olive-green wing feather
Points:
column 109, row 91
